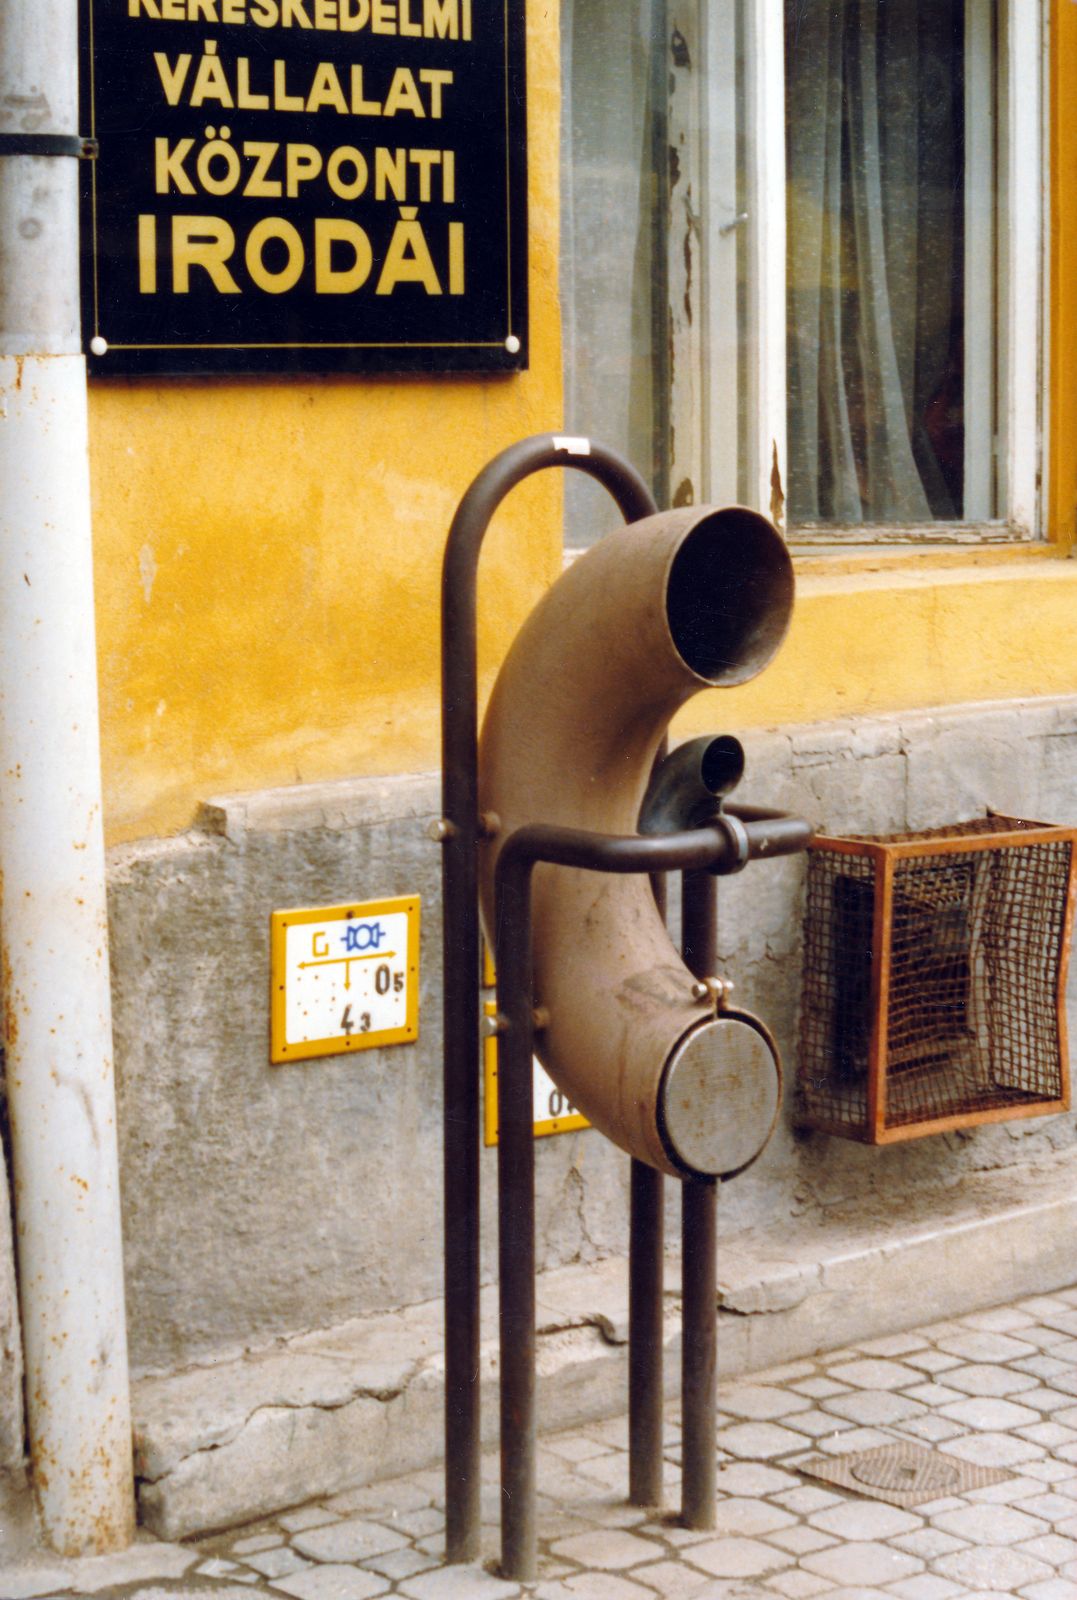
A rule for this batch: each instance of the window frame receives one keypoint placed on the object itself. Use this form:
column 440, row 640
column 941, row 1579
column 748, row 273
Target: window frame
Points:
column 700, row 386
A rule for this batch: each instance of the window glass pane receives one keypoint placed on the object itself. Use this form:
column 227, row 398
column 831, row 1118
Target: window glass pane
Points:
column 611, row 284
column 891, row 272
column 895, row 224
column 652, row 247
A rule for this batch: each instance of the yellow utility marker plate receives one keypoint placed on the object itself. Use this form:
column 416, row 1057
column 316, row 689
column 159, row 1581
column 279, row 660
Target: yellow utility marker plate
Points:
column 344, row 978
column 553, row 1114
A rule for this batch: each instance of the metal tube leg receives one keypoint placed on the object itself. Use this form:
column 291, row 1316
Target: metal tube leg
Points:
column 463, row 1486
column 463, row 1477
column 699, row 1261
column 516, row 1229
column 699, row 1373
column 519, row 1539
column 699, row 923
column 646, row 1241
column 645, row 1253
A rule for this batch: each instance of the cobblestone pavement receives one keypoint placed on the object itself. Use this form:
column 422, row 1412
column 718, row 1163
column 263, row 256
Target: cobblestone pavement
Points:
column 997, row 1388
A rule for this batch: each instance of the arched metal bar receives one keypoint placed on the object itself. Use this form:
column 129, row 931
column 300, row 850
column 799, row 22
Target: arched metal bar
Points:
column 459, row 834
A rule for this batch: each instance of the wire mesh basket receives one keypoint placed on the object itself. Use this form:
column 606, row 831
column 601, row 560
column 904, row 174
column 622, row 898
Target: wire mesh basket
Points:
column 934, row 978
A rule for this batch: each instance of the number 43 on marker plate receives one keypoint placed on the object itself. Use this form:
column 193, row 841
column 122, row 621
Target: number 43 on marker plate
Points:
column 344, row 978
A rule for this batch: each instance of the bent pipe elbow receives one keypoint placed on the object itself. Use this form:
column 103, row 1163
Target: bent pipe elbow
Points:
column 680, row 602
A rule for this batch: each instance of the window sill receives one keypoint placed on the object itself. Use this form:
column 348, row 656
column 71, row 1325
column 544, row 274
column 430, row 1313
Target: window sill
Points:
column 898, row 533
column 824, row 561
column 819, row 560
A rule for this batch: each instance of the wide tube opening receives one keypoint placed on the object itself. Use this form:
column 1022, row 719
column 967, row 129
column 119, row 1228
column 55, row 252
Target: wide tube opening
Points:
column 729, row 596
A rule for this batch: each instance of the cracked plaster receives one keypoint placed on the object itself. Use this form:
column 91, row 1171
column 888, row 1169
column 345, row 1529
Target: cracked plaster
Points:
column 261, row 1202
column 265, row 1205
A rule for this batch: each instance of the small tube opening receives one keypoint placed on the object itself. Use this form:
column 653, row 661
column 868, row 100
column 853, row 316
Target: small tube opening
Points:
column 722, row 764
column 729, row 596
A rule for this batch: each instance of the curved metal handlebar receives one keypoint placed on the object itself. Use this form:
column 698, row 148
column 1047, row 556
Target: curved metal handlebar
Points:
column 460, row 785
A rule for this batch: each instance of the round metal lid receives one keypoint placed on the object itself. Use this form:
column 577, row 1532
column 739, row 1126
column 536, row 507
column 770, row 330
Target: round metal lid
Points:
column 907, row 1472
column 720, row 1097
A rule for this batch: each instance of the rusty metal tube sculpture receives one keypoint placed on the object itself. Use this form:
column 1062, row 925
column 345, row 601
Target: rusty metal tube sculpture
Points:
column 657, row 612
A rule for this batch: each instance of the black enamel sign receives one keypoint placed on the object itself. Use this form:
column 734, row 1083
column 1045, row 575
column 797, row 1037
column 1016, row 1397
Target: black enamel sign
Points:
column 304, row 186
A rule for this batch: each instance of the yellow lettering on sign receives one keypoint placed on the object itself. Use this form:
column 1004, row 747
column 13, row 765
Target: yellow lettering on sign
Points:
column 205, row 242
column 424, row 160
column 414, row 268
column 233, row 11
column 361, row 107
column 326, row 90
column 383, row 17
column 302, row 163
column 168, row 166
column 208, row 152
column 351, row 21
column 325, row 14
column 392, row 170
column 441, row 20
column 258, row 238
column 265, row 13
column 448, row 176
column 150, row 5
column 258, row 185
column 211, row 83
column 330, row 230
column 437, row 81
column 282, row 100
column 207, row 8
column 346, row 155
column 244, row 99
column 290, row 9
column 407, row 27
column 173, row 10
column 324, row 951
column 147, row 255
column 172, row 79
column 403, row 95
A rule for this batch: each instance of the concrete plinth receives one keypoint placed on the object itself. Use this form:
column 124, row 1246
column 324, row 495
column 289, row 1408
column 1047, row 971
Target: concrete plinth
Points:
column 328, row 1411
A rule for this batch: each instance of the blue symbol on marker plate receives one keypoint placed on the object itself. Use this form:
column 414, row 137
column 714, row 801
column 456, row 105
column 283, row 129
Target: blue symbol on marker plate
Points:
column 364, row 936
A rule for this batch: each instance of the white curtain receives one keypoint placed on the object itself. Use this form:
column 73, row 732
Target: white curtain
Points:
column 874, row 117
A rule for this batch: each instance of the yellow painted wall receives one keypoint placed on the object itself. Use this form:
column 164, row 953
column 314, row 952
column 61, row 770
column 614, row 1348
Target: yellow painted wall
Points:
column 268, row 553
column 886, row 641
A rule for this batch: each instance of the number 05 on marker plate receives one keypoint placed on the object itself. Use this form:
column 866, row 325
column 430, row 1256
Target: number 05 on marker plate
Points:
column 344, row 978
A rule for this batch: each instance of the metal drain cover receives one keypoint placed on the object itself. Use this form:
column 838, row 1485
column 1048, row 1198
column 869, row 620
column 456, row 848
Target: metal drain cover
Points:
column 902, row 1474
column 908, row 1477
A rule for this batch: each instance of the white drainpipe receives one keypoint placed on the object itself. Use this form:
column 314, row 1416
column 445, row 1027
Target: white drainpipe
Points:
column 54, row 970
